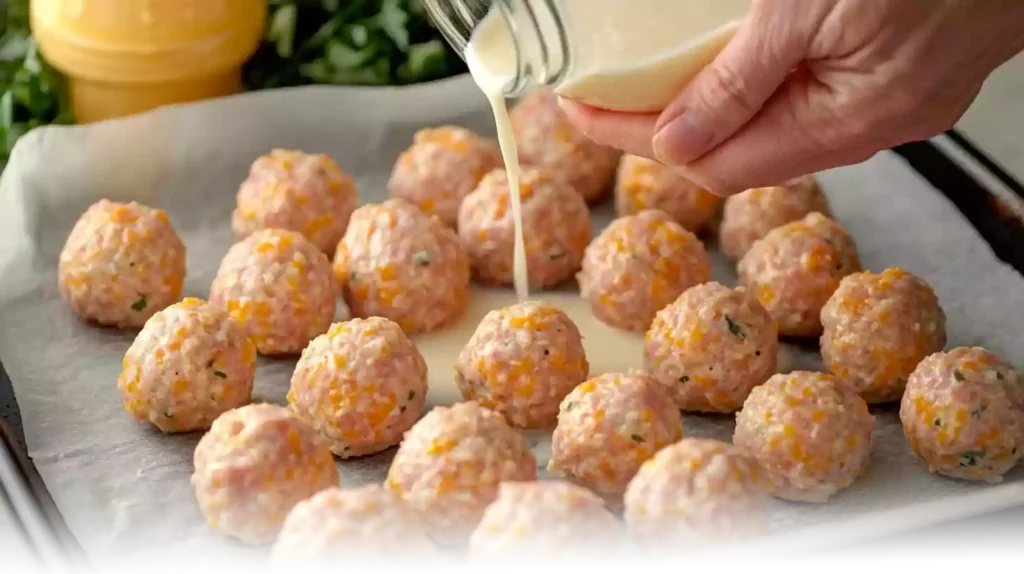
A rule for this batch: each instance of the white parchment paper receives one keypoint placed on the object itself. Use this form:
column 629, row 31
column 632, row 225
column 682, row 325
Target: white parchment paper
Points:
column 123, row 488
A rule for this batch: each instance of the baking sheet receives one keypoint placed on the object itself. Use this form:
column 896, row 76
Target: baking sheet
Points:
column 123, row 489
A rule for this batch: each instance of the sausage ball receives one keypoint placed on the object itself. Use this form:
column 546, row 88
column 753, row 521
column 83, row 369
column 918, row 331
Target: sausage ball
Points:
column 521, row 362
column 638, row 265
column 361, row 385
column 443, row 165
column 279, row 286
column 749, row 216
column 608, row 426
column 190, row 363
column 963, row 413
column 289, row 189
column 253, row 466
column 710, row 347
column 556, row 229
column 369, row 522
column 450, row 464
column 545, row 520
column 812, row 434
column 546, row 139
column 877, row 328
column 795, row 269
column 644, row 184
column 122, row 263
column 695, row 492
column 400, row 263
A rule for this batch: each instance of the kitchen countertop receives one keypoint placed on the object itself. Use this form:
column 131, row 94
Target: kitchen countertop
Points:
column 995, row 124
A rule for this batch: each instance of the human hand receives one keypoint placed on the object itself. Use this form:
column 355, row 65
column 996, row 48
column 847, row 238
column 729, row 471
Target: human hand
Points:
column 808, row 85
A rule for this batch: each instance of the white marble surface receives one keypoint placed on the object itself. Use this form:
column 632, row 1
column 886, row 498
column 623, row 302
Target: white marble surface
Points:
column 995, row 123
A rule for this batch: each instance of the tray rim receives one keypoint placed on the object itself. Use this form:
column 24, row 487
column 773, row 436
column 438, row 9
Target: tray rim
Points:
column 985, row 193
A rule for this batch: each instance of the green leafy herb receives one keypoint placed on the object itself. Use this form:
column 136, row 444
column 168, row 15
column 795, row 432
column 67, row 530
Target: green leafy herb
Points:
column 958, row 376
column 359, row 42
column 971, row 458
column 976, row 413
column 570, row 406
column 637, row 438
column 938, row 422
column 421, row 258
column 220, row 374
column 684, row 379
column 139, row 304
column 168, row 414
column 734, row 327
column 999, row 375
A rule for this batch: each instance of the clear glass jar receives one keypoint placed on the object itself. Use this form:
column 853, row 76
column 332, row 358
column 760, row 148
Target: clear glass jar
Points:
column 538, row 29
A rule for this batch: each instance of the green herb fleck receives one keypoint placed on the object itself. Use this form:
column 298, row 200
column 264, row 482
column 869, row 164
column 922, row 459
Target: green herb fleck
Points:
column 555, row 253
column 976, row 413
column 402, row 409
column 637, row 439
column 140, row 304
column 971, row 458
column 999, row 375
column 734, row 327
column 938, row 422
column 352, row 275
column 684, row 379
column 169, row 414
column 570, row 406
column 412, row 395
column 958, row 376
column 220, row 374
column 421, row 258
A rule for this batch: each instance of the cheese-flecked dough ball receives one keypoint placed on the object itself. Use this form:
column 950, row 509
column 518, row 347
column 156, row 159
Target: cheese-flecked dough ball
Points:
column 545, row 520
column 608, row 426
column 696, row 492
column 290, row 189
column 280, row 287
column 397, row 262
column 253, row 466
column 441, row 167
column 963, row 414
column 556, row 229
column 450, row 463
column 877, row 328
column 711, row 346
column 638, row 265
column 795, row 268
column 812, row 434
column 644, row 184
column 122, row 263
column 361, row 385
column 335, row 525
column 546, row 139
column 749, row 216
column 190, row 363
column 521, row 361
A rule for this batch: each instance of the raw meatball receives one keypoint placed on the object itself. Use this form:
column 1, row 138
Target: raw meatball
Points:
column 522, row 361
column 546, row 139
column 812, row 434
column 442, row 166
column 608, row 426
column 288, row 189
column 963, row 413
column 711, row 347
column 545, row 520
column 253, row 466
column 795, row 269
column 556, row 229
column 121, row 264
column 450, row 464
column 337, row 525
column 279, row 286
column 400, row 263
column 638, row 265
column 362, row 384
column 695, row 492
column 644, row 184
column 877, row 328
column 750, row 215
column 190, row 363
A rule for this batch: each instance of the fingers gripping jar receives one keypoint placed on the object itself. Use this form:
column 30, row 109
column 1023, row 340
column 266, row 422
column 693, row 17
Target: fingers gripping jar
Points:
column 622, row 55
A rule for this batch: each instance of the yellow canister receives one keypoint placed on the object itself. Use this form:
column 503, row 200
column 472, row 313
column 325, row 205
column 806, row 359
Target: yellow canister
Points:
column 127, row 56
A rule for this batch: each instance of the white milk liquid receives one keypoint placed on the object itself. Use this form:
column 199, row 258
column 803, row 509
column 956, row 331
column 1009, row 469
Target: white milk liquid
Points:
column 640, row 54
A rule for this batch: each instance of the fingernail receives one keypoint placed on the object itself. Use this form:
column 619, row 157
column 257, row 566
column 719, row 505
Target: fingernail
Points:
column 683, row 140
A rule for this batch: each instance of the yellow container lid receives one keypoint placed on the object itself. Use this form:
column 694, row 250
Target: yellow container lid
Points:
column 127, row 56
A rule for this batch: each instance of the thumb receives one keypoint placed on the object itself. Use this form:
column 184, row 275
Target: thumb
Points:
column 729, row 92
